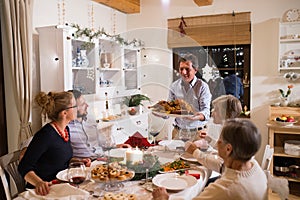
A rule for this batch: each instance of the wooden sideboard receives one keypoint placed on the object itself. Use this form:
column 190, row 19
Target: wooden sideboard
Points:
column 277, row 136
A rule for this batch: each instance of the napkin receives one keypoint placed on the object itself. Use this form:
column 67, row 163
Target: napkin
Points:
column 62, row 191
column 137, row 140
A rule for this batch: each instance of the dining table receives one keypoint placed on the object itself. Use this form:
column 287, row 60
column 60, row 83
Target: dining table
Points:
column 141, row 189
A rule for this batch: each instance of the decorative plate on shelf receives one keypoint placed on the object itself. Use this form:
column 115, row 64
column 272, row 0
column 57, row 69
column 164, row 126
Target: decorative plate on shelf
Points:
column 291, row 15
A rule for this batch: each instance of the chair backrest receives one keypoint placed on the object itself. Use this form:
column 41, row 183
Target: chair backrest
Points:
column 9, row 164
column 5, row 184
column 268, row 155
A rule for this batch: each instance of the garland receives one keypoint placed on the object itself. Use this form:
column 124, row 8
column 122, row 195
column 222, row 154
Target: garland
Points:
column 91, row 34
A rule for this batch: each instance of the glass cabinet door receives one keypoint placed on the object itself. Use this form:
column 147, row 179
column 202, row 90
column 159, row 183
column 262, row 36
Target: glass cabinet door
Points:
column 83, row 66
column 131, row 68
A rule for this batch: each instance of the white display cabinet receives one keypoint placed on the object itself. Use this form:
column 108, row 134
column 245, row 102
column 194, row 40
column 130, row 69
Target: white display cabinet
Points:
column 289, row 46
column 101, row 69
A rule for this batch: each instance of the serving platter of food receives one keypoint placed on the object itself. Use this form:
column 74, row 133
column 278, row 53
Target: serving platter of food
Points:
column 175, row 166
column 174, row 108
column 112, row 172
column 111, row 118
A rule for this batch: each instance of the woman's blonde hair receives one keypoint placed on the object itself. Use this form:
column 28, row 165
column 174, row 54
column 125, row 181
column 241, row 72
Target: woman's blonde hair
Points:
column 53, row 103
column 230, row 106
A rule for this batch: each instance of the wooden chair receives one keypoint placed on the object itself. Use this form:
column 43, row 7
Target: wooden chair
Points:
column 268, row 155
column 9, row 164
column 278, row 185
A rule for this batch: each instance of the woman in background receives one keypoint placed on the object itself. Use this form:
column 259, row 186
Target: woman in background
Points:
column 223, row 107
column 50, row 150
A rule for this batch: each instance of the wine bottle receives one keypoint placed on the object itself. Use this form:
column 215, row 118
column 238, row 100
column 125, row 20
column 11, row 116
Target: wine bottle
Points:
column 106, row 101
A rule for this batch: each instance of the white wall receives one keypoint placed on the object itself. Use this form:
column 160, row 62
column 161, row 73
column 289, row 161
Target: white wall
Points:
column 264, row 17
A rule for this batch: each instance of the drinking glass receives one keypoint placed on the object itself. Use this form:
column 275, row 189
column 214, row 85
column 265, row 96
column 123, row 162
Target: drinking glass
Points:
column 184, row 135
column 155, row 126
column 148, row 162
column 108, row 144
column 76, row 173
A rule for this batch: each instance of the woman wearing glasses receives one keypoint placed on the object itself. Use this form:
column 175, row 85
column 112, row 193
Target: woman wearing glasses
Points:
column 50, row 150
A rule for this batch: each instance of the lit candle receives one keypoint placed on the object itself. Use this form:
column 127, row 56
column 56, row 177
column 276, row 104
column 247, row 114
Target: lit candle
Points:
column 134, row 156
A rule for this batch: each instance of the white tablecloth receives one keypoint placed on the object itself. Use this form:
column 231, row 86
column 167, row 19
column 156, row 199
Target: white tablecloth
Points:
column 142, row 192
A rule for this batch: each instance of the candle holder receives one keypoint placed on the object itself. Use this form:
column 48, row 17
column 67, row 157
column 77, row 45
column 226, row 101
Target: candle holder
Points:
column 147, row 168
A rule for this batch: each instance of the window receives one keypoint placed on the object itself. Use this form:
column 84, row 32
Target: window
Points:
column 218, row 63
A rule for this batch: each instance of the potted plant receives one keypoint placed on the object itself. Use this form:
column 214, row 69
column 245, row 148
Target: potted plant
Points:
column 284, row 96
column 134, row 102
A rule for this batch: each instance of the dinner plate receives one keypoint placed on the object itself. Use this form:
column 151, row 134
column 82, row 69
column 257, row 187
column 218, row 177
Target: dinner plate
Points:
column 188, row 157
column 173, row 181
column 163, row 114
column 172, row 144
column 63, row 175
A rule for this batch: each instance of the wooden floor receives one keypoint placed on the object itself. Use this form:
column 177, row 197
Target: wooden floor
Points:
column 274, row 196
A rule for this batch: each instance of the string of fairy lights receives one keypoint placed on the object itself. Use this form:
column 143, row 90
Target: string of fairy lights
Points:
column 61, row 11
column 91, row 32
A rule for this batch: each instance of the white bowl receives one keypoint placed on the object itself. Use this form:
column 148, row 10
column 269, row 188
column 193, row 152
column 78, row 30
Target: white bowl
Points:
column 285, row 123
column 292, row 147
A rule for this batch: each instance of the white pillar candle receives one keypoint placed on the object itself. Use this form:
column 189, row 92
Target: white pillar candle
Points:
column 134, row 155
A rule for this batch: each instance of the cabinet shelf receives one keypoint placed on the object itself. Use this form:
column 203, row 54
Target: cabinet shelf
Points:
column 109, row 69
column 289, row 178
column 279, row 151
column 289, row 68
column 82, row 68
column 130, row 70
column 289, row 40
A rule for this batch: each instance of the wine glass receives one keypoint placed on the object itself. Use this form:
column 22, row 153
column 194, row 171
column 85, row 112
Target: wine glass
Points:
column 184, row 135
column 148, row 162
column 156, row 124
column 108, row 144
column 76, row 173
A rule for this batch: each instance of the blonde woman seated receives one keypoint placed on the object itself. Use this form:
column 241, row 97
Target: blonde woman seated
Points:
column 224, row 107
column 243, row 177
column 50, row 150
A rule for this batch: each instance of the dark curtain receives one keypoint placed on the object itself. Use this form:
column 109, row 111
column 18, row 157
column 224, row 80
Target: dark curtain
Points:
column 3, row 132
